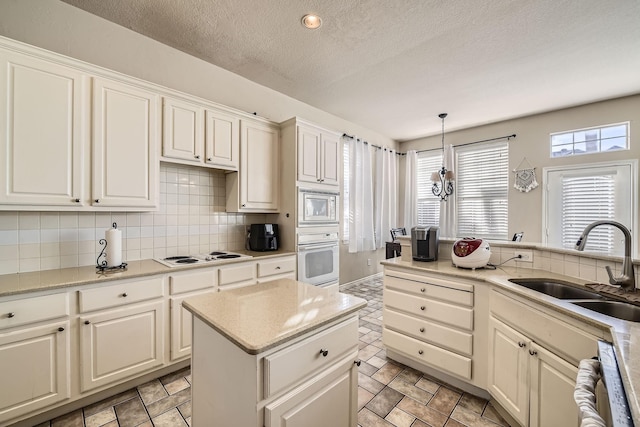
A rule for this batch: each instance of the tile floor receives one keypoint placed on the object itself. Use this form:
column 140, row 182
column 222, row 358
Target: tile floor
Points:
column 389, row 394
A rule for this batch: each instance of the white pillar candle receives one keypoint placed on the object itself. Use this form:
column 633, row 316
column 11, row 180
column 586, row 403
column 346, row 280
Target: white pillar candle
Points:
column 113, row 236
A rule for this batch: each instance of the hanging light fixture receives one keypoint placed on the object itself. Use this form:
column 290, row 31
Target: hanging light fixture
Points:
column 442, row 179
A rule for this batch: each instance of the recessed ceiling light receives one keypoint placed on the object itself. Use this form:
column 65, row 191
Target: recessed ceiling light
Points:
column 311, row 21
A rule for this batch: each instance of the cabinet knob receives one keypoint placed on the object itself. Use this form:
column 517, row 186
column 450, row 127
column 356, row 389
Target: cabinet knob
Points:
column 124, row 295
column 423, row 308
column 420, row 352
column 209, row 159
column 60, row 329
column 197, row 156
column 10, row 315
column 422, row 289
column 86, row 322
column 421, row 329
column 76, row 200
column 244, row 205
column 324, row 352
column 533, row 352
column 521, row 344
column 97, row 200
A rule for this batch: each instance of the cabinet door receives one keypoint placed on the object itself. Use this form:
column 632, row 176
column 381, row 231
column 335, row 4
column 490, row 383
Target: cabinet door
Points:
column 508, row 369
column 125, row 145
column 181, row 327
column 182, row 131
column 309, row 141
column 222, row 140
column 553, row 382
column 330, row 155
column 118, row 344
column 330, row 399
column 259, row 174
column 34, row 368
column 42, row 132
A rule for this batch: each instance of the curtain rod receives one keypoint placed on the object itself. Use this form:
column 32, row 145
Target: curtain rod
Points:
column 507, row 137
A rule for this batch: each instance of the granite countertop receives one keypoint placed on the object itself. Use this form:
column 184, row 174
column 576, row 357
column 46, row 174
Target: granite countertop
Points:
column 18, row 283
column 625, row 335
column 257, row 318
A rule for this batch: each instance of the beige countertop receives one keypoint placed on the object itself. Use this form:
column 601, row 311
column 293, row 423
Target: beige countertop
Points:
column 18, row 283
column 257, row 318
column 625, row 335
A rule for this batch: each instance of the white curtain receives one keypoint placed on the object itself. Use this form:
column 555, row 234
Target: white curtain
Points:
column 361, row 235
column 448, row 208
column 386, row 195
column 410, row 190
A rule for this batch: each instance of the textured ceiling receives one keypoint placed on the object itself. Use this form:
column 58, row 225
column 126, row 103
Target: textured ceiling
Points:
column 392, row 66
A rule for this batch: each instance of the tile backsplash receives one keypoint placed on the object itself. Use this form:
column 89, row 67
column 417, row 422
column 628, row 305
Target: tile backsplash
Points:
column 191, row 220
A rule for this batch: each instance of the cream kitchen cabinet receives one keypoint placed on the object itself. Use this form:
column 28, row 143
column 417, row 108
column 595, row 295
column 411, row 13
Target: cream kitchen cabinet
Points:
column 126, row 132
column 194, row 133
column 43, row 132
column 256, row 186
column 121, row 331
column 35, row 354
column 318, row 154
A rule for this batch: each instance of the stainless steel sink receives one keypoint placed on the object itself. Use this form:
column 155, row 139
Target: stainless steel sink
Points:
column 556, row 289
column 617, row 309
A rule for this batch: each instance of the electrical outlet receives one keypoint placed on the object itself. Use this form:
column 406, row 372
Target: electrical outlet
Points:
column 525, row 256
column 368, row 262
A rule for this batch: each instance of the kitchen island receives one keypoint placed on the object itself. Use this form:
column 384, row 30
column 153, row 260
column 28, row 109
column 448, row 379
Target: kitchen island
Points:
column 281, row 352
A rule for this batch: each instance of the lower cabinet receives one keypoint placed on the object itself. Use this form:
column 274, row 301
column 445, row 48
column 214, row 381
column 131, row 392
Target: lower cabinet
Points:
column 533, row 384
column 120, row 343
column 34, row 368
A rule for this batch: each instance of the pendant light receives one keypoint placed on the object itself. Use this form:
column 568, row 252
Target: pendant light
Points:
column 442, row 179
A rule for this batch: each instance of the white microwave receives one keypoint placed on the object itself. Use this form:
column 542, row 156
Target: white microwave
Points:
column 317, row 207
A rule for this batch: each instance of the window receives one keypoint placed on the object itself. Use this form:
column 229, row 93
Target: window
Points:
column 428, row 204
column 576, row 196
column 481, row 189
column 590, row 140
column 345, row 192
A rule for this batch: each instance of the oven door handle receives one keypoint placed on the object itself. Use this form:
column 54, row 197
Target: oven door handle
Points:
column 314, row 247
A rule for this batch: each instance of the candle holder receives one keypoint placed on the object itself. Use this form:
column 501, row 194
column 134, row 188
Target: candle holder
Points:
column 101, row 266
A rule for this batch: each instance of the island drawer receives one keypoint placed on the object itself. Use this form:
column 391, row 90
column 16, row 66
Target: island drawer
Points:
column 33, row 309
column 461, row 317
column 441, row 290
column 309, row 356
column 276, row 266
column 428, row 354
column 424, row 330
column 192, row 281
column 119, row 294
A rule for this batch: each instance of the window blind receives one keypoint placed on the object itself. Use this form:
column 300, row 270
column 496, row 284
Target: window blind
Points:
column 428, row 204
column 482, row 187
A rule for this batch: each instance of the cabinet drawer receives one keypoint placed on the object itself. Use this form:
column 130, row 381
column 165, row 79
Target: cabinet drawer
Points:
column 34, row 309
column 245, row 272
column 195, row 281
column 443, row 312
column 428, row 354
column 276, row 266
column 431, row 290
column 119, row 294
column 442, row 336
column 293, row 363
column 544, row 328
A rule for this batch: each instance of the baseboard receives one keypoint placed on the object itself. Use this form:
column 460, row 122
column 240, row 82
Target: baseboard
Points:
column 361, row 280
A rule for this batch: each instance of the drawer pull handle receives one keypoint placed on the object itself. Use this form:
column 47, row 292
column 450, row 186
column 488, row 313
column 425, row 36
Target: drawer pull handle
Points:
column 124, row 295
column 278, row 268
column 420, row 352
column 533, row 352
column 86, row 322
column 60, row 329
column 521, row 344
column 421, row 329
column 10, row 315
column 422, row 308
column 324, row 352
column 422, row 289
column 357, row 362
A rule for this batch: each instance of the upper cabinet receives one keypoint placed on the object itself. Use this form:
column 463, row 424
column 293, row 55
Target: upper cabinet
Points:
column 256, row 187
column 126, row 133
column 43, row 129
column 196, row 134
column 318, row 152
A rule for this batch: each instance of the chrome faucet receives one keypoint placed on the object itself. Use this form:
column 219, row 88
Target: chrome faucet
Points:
column 627, row 281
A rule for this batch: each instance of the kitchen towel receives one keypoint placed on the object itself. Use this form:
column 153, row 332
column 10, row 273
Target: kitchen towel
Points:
column 113, row 236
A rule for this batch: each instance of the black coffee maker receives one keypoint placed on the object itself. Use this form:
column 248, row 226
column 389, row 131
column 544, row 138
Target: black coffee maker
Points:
column 263, row 237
